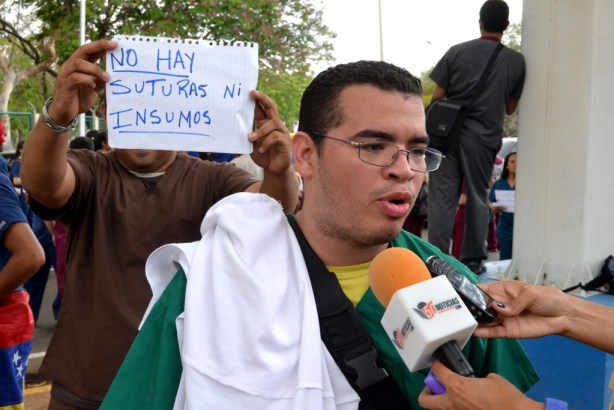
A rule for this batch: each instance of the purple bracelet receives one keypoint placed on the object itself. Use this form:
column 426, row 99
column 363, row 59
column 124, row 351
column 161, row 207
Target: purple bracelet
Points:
column 554, row 404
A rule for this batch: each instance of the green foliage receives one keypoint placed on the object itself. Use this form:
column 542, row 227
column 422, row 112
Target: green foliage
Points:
column 513, row 36
column 290, row 33
column 282, row 28
column 286, row 90
column 512, row 39
column 26, row 94
column 428, row 86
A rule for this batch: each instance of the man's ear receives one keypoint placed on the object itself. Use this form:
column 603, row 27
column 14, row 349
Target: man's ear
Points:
column 304, row 154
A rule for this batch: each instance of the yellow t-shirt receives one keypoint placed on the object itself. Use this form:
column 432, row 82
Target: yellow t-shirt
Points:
column 354, row 280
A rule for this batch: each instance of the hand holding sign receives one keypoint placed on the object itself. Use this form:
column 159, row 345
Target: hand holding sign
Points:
column 272, row 149
column 178, row 94
column 79, row 82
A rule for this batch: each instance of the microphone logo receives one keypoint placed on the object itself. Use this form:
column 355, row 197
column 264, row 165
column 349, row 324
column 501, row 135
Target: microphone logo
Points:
column 428, row 310
column 400, row 335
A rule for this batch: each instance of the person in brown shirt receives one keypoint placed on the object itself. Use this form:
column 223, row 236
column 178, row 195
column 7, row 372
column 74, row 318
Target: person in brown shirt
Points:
column 119, row 207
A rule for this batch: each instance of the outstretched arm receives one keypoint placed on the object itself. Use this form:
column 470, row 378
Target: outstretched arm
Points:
column 469, row 393
column 534, row 311
column 45, row 173
column 273, row 152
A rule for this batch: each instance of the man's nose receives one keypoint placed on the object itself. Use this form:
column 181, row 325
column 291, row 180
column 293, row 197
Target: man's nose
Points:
column 400, row 169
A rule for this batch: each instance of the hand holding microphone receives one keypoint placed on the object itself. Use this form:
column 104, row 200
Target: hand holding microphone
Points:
column 490, row 392
column 425, row 317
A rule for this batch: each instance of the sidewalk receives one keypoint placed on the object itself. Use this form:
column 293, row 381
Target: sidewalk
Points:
column 37, row 398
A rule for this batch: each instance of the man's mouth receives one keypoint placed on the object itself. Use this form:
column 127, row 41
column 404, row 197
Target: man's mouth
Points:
column 396, row 205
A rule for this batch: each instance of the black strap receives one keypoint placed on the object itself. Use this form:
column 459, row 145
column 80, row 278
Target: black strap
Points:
column 345, row 336
column 474, row 95
column 478, row 88
column 482, row 80
column 61, row 393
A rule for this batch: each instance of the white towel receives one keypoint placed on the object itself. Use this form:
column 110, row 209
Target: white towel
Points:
column 249, row 336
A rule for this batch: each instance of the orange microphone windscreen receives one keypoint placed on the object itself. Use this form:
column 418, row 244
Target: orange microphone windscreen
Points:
column 394, row 269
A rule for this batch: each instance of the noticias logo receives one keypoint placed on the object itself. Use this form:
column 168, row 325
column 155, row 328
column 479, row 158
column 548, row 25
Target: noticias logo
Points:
column 428, row 310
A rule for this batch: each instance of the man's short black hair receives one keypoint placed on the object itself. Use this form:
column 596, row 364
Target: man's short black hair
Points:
column 320, row 110
column 81, row 143
column 494, row 16
column 99, row 140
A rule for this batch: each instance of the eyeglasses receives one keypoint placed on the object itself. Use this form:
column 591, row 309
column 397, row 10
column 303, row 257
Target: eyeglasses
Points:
column 384, row 153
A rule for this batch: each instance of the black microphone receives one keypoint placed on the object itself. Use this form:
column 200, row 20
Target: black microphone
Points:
column 478, row 301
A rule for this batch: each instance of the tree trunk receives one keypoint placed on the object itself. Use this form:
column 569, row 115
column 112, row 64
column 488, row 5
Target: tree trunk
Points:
column 7, row 88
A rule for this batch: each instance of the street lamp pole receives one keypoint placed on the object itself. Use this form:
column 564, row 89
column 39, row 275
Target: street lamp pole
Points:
column 381, row 31
column 82, row 41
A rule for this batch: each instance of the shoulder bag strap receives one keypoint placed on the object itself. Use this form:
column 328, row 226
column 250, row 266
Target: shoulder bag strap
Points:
column 482, row 80
column 344, row 334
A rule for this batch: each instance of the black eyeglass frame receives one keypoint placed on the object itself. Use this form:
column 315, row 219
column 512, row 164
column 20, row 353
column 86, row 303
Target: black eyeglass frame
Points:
column 407, row 152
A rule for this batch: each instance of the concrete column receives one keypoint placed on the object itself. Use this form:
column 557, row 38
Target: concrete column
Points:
column 564, row 222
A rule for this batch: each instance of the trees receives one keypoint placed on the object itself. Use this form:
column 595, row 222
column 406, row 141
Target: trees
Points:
column 428, row 86
column 21, row 58
column 512, row 39
column 290, row 33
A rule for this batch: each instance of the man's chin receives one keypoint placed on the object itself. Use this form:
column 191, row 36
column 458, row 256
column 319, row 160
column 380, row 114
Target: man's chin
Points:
column 385, row 236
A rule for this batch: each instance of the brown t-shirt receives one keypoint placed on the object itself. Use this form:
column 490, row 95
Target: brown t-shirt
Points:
column 116, row 220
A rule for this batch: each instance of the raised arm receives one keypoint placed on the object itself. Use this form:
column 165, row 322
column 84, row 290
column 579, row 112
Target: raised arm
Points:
column 534, row 311
column 45, row 173
column 273, row 152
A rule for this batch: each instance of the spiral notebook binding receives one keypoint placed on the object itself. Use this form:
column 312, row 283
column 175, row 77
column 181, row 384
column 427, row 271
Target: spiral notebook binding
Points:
column 210, row 42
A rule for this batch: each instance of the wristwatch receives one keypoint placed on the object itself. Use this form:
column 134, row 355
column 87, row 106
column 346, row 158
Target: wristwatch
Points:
column 52, row 124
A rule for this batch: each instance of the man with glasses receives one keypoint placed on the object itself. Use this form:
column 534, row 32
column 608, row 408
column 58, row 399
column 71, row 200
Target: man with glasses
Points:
column 361, row 150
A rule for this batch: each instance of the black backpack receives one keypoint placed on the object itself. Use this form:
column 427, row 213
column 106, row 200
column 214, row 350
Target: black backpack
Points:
column 606, row 276
column 345, row 336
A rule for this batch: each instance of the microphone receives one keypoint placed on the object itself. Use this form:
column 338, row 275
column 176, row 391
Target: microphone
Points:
column 478, row 301
column 424, row 313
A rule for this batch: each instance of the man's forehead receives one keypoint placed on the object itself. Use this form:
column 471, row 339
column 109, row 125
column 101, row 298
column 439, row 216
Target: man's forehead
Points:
column 369, row 98
column 367, row 111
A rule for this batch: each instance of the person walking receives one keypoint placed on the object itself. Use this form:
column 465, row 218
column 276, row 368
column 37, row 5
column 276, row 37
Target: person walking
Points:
column 471, row 155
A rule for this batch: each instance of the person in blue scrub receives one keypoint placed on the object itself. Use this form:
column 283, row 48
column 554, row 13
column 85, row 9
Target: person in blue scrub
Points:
column 502, row 202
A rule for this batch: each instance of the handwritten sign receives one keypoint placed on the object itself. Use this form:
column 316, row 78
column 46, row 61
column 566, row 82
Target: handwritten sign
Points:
column 506, row 199
column 183, row 95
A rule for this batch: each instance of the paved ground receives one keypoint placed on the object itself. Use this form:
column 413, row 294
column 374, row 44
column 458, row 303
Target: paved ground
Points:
column 37, row 398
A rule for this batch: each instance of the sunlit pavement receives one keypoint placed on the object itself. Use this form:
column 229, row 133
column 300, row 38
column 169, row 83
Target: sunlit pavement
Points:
column 37, row 398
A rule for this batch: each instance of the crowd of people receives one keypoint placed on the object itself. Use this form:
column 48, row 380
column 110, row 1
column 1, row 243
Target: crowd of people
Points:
column 306, row 214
